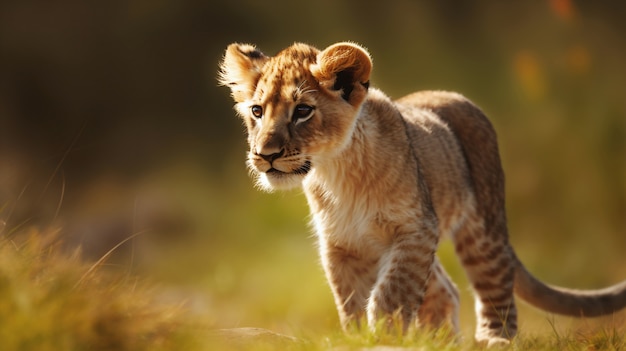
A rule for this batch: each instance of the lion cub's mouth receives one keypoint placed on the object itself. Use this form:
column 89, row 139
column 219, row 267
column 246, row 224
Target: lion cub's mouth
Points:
column 304, row 169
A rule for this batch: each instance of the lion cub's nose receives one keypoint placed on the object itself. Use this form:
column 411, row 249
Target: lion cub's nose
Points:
column 269, row 155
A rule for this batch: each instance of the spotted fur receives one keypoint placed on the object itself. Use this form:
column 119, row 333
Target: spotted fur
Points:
column 385, row 181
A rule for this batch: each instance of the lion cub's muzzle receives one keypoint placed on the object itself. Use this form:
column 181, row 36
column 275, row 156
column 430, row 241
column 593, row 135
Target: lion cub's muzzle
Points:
column 280, row 163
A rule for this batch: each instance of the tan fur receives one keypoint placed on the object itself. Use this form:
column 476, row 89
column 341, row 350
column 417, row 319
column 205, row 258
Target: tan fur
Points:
column 385, row 181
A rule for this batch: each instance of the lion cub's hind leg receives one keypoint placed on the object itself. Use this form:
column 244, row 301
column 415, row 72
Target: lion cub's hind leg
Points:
column 490, row 269
column 441, row 302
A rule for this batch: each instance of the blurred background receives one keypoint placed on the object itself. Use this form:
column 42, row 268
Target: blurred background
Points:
column 112, row 125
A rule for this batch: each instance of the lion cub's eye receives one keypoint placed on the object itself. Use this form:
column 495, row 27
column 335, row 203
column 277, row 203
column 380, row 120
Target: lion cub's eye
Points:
column 302, row 113
column 257, row 111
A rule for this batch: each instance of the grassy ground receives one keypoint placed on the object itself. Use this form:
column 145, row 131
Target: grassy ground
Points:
column 173, row 295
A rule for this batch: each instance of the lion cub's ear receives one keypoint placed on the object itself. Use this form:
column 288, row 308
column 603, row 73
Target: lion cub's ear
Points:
column 344, row 68
column 240, row 70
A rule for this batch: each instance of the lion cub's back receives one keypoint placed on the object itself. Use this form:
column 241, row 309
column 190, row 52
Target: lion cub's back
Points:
column 458, row 151
column 434, row 120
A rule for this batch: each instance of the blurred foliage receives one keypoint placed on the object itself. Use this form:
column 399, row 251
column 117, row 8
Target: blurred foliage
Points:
column 111, row 122
column 51, row 301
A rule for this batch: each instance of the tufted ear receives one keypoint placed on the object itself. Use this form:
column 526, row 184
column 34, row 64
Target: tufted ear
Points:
column 344, row 68
column 240, row 70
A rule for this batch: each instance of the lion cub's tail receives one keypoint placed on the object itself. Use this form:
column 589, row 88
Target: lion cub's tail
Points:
column 577, row 303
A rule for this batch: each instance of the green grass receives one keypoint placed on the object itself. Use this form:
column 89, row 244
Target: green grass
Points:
column 53, row 300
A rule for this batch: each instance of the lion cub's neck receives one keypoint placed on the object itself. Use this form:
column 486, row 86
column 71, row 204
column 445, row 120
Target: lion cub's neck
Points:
column 351, row 193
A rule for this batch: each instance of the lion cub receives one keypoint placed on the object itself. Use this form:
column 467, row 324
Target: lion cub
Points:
column 385, row 180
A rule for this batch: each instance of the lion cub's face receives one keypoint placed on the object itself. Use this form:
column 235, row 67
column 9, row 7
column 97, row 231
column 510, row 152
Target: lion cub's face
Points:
column 299, row 106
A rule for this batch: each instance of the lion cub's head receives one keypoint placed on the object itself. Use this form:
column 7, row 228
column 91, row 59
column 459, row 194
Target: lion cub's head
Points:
column 299, row 106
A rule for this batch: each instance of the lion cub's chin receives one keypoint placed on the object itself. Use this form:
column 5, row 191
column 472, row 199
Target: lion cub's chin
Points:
column 271, row 181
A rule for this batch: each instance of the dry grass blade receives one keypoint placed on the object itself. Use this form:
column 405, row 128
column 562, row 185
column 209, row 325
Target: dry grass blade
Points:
column 106, row 256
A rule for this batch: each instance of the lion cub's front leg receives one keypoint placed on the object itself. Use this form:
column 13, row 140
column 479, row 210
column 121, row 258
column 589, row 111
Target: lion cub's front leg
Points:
column 441, row 302
column 402, row 276
column 401, row 283
column 351, row 278
column 386, row 283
